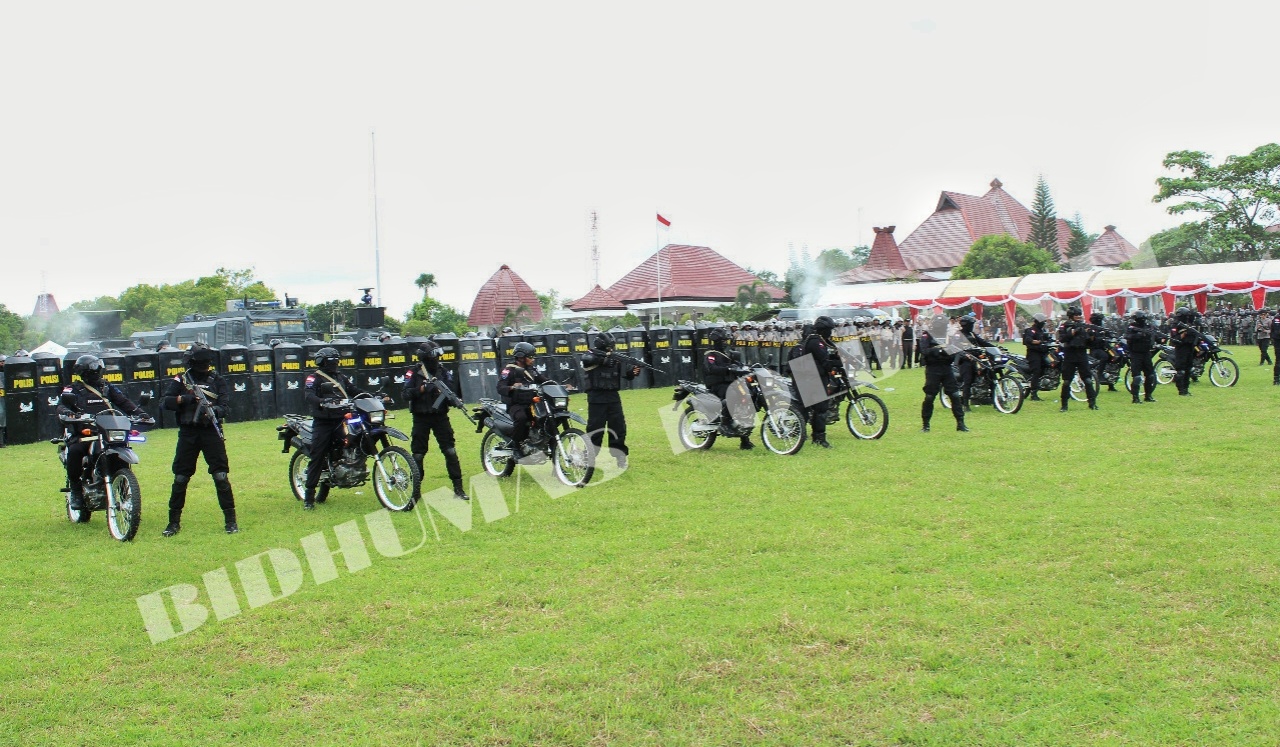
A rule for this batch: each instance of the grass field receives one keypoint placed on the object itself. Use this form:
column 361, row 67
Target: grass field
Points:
column 1099, row 577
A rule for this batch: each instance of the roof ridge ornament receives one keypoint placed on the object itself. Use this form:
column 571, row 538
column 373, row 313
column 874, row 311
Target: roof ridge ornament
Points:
column 996, row 183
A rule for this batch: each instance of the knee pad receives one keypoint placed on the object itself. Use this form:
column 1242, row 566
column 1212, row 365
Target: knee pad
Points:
column 220, row 477
column 450, row 452
column 181, row 479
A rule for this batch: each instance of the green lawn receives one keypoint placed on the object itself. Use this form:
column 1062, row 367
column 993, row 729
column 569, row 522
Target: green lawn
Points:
column 1090, row 578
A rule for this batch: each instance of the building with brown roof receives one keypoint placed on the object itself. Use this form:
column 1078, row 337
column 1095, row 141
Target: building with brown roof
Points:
column 685, row 276
column 883, row 263
column 1109, row 250
column 597, row 299
column 504, row 292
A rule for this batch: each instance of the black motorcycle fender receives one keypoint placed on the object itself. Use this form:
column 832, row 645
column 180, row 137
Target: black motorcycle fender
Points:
column 123, row 453
column 394, row 433
column 571, row 415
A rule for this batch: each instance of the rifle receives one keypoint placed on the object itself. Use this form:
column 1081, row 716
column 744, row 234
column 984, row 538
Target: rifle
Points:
column 447, row 394
column 203, row 406
column 633, row 361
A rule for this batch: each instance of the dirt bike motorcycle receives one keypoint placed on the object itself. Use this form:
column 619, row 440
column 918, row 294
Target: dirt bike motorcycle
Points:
column 1050, row 374
column 756, row 390
column 995, row 381
column 365, row 436
column 866, row 415
column 1223, row 371
column 107, row 481
column 551, row 436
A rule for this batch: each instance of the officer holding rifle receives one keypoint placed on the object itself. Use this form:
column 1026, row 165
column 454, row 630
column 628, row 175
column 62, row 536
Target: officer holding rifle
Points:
column 199, row 397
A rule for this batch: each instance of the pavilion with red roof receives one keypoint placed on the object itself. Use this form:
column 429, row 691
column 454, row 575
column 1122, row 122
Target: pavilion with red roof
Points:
column 597, row 299
column 503, row 292
column 941, row 242
column 679, row 278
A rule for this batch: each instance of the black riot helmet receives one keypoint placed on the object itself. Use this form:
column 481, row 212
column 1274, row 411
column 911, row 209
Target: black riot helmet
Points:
column 327, row 359
column 966, row 323
column 1184, row 314
column 523, row 350
column 428, row 354
column 718, row 338
column 1140, row 318
column 824, row 325
column 1096, row 318
column 198, row 358
column 89, row 368
column 1074, row 311
column 603, row 342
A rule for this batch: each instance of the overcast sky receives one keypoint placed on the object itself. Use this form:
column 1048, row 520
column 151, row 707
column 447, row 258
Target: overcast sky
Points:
column 156, row 142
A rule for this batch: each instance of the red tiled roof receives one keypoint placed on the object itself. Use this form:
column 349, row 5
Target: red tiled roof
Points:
column 1111, row 249
column 945, row 237
column 689, row 273
column 883, row 263
column 502, row 291
column 597, row 299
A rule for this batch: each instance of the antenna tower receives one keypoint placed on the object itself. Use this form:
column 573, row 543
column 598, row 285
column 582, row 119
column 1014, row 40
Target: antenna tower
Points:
column 595, row 249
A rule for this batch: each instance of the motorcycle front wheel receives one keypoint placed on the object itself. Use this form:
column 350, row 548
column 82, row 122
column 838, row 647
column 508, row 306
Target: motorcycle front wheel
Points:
column 573, row 458
column 124, row 510
column 867, row 417
column 498, row 466
column 298, row 478
column 394, row 476
column 1007, row 396
column 783, row 430
column 1224, row 372
column 1165, row 372
column 695, row 429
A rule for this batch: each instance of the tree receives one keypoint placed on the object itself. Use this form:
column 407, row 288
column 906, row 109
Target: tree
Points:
column 426, row 281
column 517, row 317
column 1238, row 198
column 1044, row 220
column 1003, row 256
column 752, row 301
column 1078, row 244
column 1187, row 244
column 12, row 329
column 549, row 301
column 330, row 316
column 430, row 317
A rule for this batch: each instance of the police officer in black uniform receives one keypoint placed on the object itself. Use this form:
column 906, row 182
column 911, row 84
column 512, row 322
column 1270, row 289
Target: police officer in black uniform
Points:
column 422, row 389
column 1139, row 340
column 90, row 395
column 513, row 388
column 938, row 374
column 604, row 375
column 1076, row 338
column 825, row 356
column 1274, row 333
column 1035, row 339
column 324, row 387
column 1184, row 337
column 720, row 371
column 968, row 369
column 197, row 435
column 1100, row 349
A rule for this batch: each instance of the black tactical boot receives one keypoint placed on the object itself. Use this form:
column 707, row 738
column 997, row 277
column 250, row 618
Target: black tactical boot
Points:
column 821, row 441
column 925, row 428
column 230, row 517
column 309, row 500
column 77, row 498
column 960, row 426
column 458, row 492
column 175, row 517
column 1148, row 398
column 746, row 444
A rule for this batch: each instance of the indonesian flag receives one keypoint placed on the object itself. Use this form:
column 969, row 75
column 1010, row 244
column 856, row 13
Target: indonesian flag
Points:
column 663, row 221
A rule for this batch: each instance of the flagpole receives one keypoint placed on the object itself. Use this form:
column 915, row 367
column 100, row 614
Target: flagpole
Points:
column 657, row 245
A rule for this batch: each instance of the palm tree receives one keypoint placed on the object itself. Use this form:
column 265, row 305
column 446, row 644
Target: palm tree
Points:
column 514, row 318
column 426, row 281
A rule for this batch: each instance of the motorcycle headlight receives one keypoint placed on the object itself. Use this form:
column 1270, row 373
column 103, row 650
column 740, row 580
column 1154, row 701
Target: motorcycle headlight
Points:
column 560, row 402
column 117, row 437
column 377, row 418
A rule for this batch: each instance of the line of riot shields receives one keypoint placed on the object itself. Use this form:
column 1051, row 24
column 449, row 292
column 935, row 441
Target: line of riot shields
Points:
column 266, row 381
